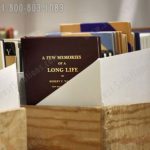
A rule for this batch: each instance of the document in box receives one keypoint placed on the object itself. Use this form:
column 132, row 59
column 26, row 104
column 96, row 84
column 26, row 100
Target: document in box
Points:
column 9, row 95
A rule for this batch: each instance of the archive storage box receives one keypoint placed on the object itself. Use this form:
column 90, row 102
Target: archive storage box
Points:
column 13, row 130
column 117, row 80
column 94, row 128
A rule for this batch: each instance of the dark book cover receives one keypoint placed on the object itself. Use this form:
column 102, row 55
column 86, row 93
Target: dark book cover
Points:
column 49, row 62
column 9, row 53
column 137, row 41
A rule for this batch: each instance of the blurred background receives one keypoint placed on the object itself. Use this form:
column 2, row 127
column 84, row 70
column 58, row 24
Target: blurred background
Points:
column 27, row 18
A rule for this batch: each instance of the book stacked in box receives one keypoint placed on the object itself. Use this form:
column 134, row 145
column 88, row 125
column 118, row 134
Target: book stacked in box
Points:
column 54, row 62
column 57, row 64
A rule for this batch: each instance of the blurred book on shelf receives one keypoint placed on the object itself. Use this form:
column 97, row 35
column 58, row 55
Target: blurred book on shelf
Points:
column 121, row 29
column 9, row 53
column 126, row 38
column 142, row 37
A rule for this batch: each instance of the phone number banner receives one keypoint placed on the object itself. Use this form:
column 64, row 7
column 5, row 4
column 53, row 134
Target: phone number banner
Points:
column 32, row 7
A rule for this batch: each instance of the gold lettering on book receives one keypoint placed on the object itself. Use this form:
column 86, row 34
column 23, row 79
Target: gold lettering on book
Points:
column 71, row 57
column 71, row 69
column 55, row 69
column 58, row 81
column 61, row 64
column 68, row 70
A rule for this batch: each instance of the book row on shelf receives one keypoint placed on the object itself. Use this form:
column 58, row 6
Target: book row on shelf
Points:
column 58, row 57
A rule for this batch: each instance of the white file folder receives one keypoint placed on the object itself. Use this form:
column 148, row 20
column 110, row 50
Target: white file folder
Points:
column 9, row 95
column 117, row 80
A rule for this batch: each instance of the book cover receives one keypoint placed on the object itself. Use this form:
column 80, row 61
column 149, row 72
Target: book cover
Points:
column 119, row 39
column 50, row 62
column 9, row 53
column 107, row 38
column 137, row 41
column 144, row 40
column 124, row 43
column 15, row 57
column 117, row 51
column 133, row 40
column 74, row 27
column 117, row 42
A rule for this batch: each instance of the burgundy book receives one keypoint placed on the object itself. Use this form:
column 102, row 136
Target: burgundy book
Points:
column 49, row 62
